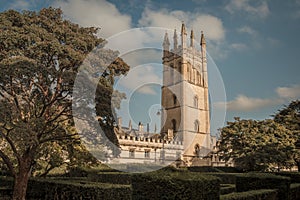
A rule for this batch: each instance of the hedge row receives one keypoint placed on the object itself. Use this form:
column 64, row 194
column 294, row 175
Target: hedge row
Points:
column 295, row 191
column 226, row 178
column 111, row 177
column 263, row 194
column 227, row 188
column 257, row 181
column 295, row 176
column 72, row 189
column 174, row 185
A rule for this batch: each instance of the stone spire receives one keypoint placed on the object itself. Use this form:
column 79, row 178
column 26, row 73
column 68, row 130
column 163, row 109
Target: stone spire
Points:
column 183, row 36
column 166, row 43
column 175, row 39
column 202, row 41
column 192, row 38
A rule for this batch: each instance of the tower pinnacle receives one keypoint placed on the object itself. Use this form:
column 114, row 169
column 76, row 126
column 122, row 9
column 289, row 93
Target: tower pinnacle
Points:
column 183, row 36
column 192, row 38
column 175, row 39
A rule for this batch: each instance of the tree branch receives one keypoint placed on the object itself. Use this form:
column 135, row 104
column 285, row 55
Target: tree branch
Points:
column 8, row 163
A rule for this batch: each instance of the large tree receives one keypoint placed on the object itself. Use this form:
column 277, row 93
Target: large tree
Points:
column 289, row 116
column 256, row 145
column 40, row 54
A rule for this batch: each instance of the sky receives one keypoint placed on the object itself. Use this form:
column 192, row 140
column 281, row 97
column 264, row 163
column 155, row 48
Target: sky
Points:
column 254, row 49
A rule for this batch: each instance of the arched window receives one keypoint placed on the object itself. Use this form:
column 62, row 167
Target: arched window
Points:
column 197, row 150
column 174, row 125
column 196, row 126
column 196, row 101
column 174, row 99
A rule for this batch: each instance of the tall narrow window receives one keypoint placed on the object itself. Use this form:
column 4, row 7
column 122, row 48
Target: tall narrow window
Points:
column 196, row 126
column 174, row 125
column 172, row 74
column 195, row 101
column 174, row 99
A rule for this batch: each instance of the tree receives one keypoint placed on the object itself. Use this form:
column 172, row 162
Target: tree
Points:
column 40, row 54
column 256, row 145
column 289, row 117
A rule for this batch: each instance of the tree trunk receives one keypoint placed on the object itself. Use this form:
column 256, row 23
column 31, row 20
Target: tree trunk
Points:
column 21, row 180
column 298, row 165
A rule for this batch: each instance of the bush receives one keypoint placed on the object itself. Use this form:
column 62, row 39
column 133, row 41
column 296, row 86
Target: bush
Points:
column 295, row 176
column 111, row 177
column 226, row 178
column 203, row 169
column 174, row 185
column 227, row 188
column 256, row 181
column 71, row 189
column 229, row 169
column 251, row 195
column 295, row 191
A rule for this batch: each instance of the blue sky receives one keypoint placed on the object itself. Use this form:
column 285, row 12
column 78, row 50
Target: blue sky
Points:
column 254, row 43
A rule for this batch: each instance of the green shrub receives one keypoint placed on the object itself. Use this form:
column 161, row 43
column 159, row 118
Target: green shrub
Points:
column 256, row 181
column 264, row 194
column 227, row 188
column 203, row 169
column 295, row 191
column 226, row 178
column 111, row 177
column 295, row 176
column 72, row 189
column 229, row 169
column 174, row 185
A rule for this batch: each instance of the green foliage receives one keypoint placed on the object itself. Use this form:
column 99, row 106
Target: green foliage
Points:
column 227, row 189
column 295, row 191
column 294, row 176
column 289, row 117
column 39, row 60
column 226, row 178
column 251, row 195
column 256, row 181
column 203, row 169
column 257, row 145
column 175, row 185
column 69, row 189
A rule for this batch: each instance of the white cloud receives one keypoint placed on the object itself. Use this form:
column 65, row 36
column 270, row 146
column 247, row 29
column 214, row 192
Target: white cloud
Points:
column 289, row 92
column 259, row 10
column 238, row 46
column 211, row 25
column 244, row 103
column 140, row 79
column 96, row 13
column 248, row 30
column 20, row 5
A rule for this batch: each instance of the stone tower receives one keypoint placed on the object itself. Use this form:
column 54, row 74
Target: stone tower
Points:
column 185, row 103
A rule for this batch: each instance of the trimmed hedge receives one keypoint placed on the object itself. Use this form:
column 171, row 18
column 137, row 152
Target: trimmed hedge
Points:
column 264, row 194
column 111, row 177
column 203, row 169
column 226, row 178
column 229, row 169
column 41, row 188
column 295, row 191
column 295, row 176
column 174, row 185
column 227, row 188
column 256, row 181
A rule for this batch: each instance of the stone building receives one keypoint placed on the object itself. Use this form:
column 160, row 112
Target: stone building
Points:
column 185, row 133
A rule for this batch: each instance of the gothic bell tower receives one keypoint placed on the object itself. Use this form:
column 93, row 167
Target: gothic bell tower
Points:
column 185, row 103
